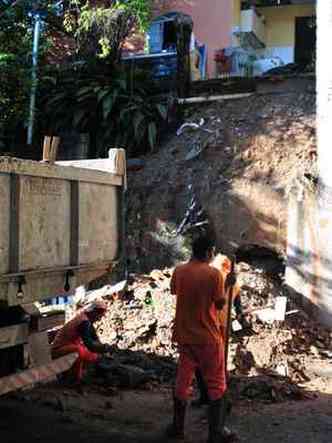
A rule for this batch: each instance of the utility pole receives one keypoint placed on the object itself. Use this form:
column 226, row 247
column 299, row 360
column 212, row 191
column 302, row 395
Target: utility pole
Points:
column 34, row 79
column 324, row 82
column 324, row 133
column 309, row 255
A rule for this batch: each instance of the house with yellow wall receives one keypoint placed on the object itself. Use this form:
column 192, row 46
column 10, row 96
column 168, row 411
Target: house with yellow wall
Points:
column 284, row 29
column 265, row 33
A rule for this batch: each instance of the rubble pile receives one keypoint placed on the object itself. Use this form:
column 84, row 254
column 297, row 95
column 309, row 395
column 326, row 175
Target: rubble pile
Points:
column 258, row 289
column 141, row 319
column 267, row 362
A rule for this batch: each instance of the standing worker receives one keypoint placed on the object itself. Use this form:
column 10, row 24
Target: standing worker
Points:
column 223, row 264
column 79, row 335
column 200, row 291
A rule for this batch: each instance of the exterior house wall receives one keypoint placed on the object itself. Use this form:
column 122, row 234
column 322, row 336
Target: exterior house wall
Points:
column 212, row 22
column 216, row 20
column 280, row 29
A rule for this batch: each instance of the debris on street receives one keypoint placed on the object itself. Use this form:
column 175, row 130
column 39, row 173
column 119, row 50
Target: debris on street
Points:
column 271, row 364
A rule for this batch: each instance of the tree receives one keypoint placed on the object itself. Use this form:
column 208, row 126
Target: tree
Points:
column 15, row 37
column 91, row 32
column 100, row 30
column 15, row 64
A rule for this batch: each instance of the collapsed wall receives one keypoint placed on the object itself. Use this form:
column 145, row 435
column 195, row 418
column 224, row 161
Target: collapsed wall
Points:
column 232, row 164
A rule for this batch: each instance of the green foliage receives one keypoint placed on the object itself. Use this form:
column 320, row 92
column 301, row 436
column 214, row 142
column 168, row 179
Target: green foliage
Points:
column 105, row 105
column 16, row 34
column 141, row 9
column 14, row 68
column 100, row 30
column 98, row 33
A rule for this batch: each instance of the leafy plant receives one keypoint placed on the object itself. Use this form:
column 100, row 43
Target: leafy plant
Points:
column 71, row 30
column 107, row 107
column 14, row 67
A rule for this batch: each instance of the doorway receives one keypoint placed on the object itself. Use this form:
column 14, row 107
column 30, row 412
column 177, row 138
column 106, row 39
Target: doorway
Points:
column 305, row 41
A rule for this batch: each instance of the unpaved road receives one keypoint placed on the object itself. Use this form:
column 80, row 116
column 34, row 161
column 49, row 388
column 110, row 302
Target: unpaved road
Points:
column 56, row 415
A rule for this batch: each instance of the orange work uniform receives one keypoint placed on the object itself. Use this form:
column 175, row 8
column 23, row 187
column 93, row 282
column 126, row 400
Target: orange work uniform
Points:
column 69, row 340
column 197, row 328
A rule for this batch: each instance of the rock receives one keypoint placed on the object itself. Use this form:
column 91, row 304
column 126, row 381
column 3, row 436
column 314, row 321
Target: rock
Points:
column 128, row 376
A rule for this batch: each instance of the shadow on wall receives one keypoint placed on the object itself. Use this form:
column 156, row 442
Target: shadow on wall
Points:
column 244, row 225
column 306, row 279
column 234, row 221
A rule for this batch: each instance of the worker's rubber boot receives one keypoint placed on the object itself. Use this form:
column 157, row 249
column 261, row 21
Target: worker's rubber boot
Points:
column 228, row 402
column 218, row 433
column 176, row 429
column 203, row 399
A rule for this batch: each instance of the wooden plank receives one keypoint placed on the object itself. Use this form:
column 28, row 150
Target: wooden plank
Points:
column 46, row 148
column 228, row 85
column 100, row 164
column 36, row 375
column 211, row 98
column 10, row 165
column 13, row 335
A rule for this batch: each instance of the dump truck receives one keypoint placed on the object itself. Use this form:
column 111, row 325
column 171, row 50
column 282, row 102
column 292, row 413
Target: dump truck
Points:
column 61, row 226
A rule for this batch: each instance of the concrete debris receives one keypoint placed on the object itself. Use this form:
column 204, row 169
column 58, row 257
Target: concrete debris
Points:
column 278, row 313
column 121, row 375
column 267, row 315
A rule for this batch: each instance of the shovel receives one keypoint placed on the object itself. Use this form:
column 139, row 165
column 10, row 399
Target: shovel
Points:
column 229, row 319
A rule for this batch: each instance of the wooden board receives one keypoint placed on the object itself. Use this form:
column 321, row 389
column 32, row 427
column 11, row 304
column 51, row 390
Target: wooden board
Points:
column 10, row 165
column 30, row 377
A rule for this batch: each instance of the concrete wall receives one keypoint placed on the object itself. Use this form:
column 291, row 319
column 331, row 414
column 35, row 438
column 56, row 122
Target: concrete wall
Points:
column 212, row 22
column 308, row 252
column 309, row 267
column 280, row 29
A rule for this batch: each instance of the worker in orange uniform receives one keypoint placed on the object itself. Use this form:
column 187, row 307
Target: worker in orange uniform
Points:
column 223, row 264
column 79, row 335
column 200, row 291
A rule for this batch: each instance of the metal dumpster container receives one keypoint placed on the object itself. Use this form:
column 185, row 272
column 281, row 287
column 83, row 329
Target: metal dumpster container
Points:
column 60, row 226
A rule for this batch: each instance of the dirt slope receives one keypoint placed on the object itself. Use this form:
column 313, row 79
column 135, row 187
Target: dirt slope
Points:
column 254, row 149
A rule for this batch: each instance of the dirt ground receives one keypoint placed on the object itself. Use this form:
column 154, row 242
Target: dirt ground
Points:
column 55, row 414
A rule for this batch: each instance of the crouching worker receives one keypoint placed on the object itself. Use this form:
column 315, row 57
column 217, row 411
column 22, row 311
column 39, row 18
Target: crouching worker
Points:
column 79, row 335
column 200, row 291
